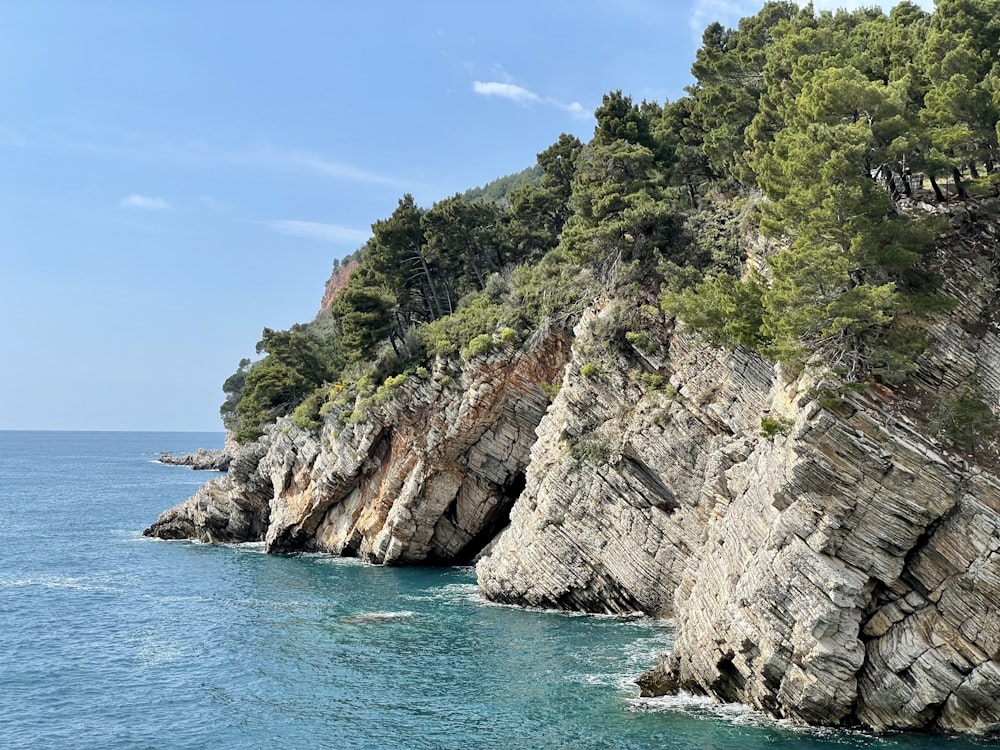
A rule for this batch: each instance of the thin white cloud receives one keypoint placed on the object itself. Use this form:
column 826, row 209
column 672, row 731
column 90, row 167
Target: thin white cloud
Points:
column 154, row 149
column 145, row 203
column 505, row 91
column 525, row 97
column 577, row 110
column 338, row 170
column 315, row 230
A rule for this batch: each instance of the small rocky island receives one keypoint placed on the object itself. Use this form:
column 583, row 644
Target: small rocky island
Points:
column 200, row 460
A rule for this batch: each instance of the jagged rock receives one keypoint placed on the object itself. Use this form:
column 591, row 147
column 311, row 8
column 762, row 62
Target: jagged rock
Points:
column 826, row 563
column 200, row 460
column 232, row 508
column 430, row 475
column 843, row 570
column 658, row 681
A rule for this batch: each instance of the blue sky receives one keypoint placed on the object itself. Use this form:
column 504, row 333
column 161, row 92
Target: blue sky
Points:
column 176, row 176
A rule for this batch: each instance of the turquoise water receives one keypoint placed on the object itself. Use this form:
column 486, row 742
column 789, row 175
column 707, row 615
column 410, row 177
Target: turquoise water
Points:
column 110, row 640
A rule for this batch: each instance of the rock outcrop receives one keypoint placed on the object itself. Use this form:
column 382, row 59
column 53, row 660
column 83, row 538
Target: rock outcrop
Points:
column 200, row 460
column 428, row 475
column 832, row 565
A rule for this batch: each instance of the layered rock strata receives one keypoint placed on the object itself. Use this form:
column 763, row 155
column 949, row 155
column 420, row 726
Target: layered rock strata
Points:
column 428, row 475
column 828, row 565
column 200, row 460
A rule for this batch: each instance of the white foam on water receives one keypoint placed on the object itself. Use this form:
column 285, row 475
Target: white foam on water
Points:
column 741, row 715
column 373, row 618
column 325, row 558
column 248, row 546
column 62, row 582
column 451, row 594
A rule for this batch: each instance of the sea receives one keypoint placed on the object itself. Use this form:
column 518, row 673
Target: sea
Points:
column 110, row 640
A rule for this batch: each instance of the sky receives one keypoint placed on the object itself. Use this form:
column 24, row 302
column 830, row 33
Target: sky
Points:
column 175, row 176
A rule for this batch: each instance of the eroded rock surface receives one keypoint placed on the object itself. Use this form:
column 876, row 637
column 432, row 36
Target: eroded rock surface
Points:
column 200, row 460
column 430, row 475
column 841, row 570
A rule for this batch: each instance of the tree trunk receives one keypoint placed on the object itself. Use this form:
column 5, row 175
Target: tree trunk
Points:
column 907, row 187
column 433, row 297
column 957, row 176
column 973, row 172
column 890, row 182
column 937, row 190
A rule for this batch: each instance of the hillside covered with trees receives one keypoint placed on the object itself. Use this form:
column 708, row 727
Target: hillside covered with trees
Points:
column 833, row 136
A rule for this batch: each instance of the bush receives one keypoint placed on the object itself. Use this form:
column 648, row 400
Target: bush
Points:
column 642, row 342
column 771, row 427
column 455, row 332
column 308, row 414
column 590, row 449
column 551, row 390
column 478, row 346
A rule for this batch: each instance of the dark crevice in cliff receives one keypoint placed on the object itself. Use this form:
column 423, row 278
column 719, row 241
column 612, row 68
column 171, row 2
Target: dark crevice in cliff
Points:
column 918, row 547
column 511, row 491
column 730, row 683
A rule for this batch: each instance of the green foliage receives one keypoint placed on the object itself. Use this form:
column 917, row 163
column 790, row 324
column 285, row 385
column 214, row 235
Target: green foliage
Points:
column 233, row 388
column 464, row 244
column 622, row 211
column 642, row 342
column 655, row 382
column 452, row 334
column 307, row 415
column 590, row 370
column 591, row 448
column 724, row 310
column 817, row 127
column 498, row 191
column 771, row 427
column 551, row 390
column 296, row 364
column 364, row 314
column 482, row 344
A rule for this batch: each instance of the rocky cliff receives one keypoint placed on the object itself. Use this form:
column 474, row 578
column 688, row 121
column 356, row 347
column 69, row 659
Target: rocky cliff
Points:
column 427, row 473
column 824, row 560
column 828, row 565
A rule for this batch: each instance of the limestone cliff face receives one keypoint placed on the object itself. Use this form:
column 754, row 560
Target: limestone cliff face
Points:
column 428, row 475
column 843, row 570
column 828, row 563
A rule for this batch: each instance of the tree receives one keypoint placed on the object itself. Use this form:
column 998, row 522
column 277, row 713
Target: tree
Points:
column 364, row 314
column 233, row 388
column 538, row 213
column 729, row 81
column 463, row 242
column 395, row 256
